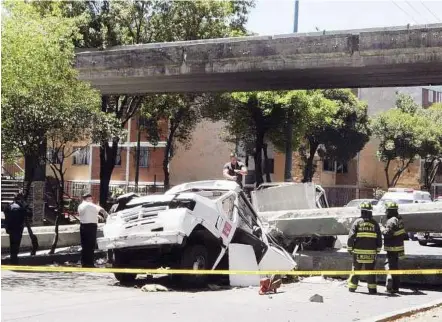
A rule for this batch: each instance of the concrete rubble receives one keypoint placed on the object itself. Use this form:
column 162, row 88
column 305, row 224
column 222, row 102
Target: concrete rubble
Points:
column 154, row 288
column 317, row 298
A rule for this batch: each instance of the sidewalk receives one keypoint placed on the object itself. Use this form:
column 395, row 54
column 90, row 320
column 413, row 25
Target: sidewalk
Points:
column 430, row 315
column 61, row 256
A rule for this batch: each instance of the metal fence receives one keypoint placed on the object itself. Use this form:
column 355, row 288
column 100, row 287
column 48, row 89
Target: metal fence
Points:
column 77, row 189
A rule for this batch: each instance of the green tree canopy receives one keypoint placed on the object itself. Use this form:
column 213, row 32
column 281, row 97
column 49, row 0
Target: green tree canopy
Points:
column 431, row 149
column 40, row 88
column 336, row 127
column 112, row 23
column 255, row 118
column 405, row 133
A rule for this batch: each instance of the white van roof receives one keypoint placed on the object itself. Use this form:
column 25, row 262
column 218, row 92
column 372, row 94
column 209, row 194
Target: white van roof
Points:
column 406, row 194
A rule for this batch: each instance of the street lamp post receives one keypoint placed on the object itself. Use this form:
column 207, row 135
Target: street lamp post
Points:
column 289, row 126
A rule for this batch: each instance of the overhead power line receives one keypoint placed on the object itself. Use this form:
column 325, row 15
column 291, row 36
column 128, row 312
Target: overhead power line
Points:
column 410, row 16
column 431, row 12
column 415, row 10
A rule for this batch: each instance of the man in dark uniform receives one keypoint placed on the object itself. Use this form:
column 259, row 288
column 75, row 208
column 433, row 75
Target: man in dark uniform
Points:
column 234, row 170
column 15, row 216
column 394, row 235
column 364, row 243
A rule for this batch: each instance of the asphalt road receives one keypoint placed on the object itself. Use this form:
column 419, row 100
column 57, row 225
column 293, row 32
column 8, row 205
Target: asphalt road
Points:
column 70, row 297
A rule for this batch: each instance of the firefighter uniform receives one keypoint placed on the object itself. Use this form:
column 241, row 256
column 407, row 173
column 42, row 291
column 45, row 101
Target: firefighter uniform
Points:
column 394, row 235
column 364, row 243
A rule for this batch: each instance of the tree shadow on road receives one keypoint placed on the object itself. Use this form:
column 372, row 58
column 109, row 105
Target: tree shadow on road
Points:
column 50, row 281
column 403, row 292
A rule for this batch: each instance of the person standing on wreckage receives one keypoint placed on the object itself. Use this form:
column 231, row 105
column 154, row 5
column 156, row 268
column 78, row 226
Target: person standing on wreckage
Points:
column 364, row 243
column 234, row 170
column 394, row 235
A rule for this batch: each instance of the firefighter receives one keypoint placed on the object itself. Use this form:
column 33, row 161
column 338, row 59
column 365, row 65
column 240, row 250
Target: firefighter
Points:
column 364, row 243
column 394, row 235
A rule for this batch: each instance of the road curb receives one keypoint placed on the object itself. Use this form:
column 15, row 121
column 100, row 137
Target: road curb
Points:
column 41, row 260
column 392, row 316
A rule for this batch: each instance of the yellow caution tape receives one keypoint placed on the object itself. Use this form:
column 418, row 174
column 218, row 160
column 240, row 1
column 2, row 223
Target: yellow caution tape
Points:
column 62, row 269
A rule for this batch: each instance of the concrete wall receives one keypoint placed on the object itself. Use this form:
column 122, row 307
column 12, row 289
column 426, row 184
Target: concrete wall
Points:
column 205, row 157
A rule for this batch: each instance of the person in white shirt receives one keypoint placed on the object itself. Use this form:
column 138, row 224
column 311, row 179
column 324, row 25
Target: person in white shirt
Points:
column 89, row 216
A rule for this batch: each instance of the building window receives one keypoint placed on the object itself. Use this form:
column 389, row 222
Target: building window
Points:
column 430, row 96
column 144, row 157
column 328, row 165
column 53, row 157
column 81, row 156
column 341, row 167
column 118, row 157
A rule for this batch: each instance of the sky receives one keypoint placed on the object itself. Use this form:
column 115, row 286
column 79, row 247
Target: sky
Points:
column 274, row 17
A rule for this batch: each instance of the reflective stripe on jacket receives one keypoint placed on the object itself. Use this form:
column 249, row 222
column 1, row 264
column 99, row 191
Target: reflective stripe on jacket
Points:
column 394, row 235
column 365, row 240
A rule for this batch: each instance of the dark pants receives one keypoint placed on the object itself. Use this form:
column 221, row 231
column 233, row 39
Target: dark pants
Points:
column 392, row 263
column 353, row 281
column 15, row 236
column 88, row 235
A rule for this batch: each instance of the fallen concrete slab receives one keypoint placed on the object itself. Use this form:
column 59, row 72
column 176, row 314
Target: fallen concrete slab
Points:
column 291, row 208
column 69, row 235
column 338, row 221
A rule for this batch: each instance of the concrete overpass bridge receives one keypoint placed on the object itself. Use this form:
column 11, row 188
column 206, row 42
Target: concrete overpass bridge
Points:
column 398, row 56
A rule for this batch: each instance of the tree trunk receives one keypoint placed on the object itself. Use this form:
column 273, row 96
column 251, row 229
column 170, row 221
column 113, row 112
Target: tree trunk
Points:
column 108, row 155
column 166, row 159
column 55, row 240
column 387, row 175
column 288, row 149
column 309, row 170
column 399, row 172
column 266, row 164
column 431, row 167
column 60, row 210
column 29, row 178
column 259, row 144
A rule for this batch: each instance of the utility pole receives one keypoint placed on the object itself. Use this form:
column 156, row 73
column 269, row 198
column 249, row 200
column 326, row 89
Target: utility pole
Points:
column 289, row 126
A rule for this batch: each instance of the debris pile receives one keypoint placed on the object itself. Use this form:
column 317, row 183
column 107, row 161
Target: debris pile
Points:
column 154, row 288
